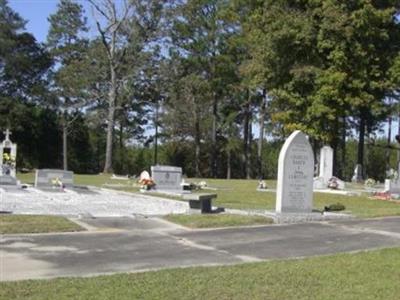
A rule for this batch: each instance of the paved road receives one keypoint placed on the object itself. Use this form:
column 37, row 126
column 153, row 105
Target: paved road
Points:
column 139, row 244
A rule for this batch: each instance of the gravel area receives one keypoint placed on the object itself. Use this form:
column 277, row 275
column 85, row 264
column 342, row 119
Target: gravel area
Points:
column 98, row 203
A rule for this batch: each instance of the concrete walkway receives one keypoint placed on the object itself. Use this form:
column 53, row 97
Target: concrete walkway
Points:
column 139, row 244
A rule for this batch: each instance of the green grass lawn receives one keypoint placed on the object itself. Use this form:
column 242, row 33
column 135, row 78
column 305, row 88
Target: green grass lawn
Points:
column 368, row 275
column 35, row 224
column 242, row 194
column 217, row 220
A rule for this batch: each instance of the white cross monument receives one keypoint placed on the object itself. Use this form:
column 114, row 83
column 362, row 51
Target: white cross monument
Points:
column 8, row 155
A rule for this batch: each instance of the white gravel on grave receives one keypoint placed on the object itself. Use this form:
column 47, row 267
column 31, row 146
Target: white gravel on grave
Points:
column 102, row 203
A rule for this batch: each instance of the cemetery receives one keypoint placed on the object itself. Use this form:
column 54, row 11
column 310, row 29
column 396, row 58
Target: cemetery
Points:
column 199, row 149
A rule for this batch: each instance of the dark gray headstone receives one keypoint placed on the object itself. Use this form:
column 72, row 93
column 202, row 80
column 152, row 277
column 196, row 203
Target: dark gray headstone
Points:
column 7, row 180
column 167, row 177
column 45, row 178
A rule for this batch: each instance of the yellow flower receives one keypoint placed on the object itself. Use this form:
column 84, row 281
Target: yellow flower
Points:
column 6, row 157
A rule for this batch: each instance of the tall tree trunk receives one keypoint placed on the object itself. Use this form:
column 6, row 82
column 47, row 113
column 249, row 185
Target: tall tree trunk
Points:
column 214, row 138
column 197, row 140
column 249, row 142
column 335, row 169
column 228, row 164
column 342, row 174
column 156, row 135
column 360, row 150
column 398, row 152
column 389, row 139
column 112, row 95
column 65, row 141
column 246, row 124
column 261, row 134
column 335, row 146
column 121, row 147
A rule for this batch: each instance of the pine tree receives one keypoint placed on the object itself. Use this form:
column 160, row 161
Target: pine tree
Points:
column 68, row 47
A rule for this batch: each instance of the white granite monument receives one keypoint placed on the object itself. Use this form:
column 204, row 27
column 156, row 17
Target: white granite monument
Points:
column 326, row 170
column 8, row 155
column 358, row 174
column 295, row 175
column 392, row 183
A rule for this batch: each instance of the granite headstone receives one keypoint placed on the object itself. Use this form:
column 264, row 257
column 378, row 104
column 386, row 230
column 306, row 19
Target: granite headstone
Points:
column 295, row 175
column 326, row 163
column 45, row 178
column 167, row 177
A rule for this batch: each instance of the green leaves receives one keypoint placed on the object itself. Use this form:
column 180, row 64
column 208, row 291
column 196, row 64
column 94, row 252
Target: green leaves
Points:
column 327, row 59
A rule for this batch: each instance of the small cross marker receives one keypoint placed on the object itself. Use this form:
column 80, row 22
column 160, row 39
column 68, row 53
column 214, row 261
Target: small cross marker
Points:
column 7, row 133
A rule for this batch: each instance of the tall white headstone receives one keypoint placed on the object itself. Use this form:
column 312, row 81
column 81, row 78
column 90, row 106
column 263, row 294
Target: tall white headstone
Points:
column 326, row 163
column 358, row 174
column 295, row 175
column 8, row 156
column 398, row 170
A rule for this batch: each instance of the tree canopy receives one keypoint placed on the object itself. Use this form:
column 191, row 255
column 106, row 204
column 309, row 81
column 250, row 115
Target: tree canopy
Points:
column 212, row 86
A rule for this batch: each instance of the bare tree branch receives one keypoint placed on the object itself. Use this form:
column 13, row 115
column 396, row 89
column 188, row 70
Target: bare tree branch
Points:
column 98, row 9
column 104, row 39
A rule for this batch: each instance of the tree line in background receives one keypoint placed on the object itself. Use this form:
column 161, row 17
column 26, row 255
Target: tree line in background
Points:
column 188, row 82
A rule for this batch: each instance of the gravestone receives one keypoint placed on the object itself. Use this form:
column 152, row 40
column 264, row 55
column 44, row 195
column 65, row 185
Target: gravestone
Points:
column 358, row 174
column 8, row 156
column 295, row 175
column 326, row 163
column 392, row 186
column 45, row 178
column 144, row 176
column 398, row 169
column 167, row 177
column 326, row 170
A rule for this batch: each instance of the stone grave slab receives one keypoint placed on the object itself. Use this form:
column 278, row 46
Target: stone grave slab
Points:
column 8, row 180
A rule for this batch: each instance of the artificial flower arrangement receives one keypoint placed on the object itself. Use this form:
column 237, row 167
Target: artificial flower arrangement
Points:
column 333, row 183
column 8, row 163
column 146, row 183
column 8, row 159
column 57, row 183
column 370, row 183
